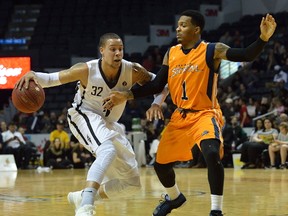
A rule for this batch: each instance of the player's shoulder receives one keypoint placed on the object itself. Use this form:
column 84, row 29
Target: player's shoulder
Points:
column 93, row 61
column 133, row 65
column 126, row 62
column 177, row 46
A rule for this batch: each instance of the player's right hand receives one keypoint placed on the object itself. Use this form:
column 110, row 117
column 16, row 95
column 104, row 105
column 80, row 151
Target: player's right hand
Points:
column 24, row 80
column 267, row 27
column 154, row 112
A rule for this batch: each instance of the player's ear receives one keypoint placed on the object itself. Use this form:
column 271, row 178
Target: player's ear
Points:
column 197, row 30
column 101, row 50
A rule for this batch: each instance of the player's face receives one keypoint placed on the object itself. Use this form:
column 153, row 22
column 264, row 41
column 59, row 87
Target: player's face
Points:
column 186, row 31
column 112, row 52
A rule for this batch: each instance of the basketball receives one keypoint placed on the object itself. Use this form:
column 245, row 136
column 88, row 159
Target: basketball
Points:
column 28, row 100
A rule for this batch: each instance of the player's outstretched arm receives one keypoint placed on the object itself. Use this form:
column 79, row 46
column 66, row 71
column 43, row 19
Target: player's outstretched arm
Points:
column 76, row 72
column 150, row 88
column 267, row 29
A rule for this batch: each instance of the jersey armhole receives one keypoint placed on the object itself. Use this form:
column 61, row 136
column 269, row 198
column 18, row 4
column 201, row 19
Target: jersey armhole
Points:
column 168, row 51
column 210, row 56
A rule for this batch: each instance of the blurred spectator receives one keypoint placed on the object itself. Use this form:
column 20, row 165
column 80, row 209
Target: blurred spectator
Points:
column 53, row 120
column 3, row 126
column 279, row 51
column 245, row 120
column 283, row 154
column 228, row 109
column 237, row 39
column 271, row 62
column 73, row 142
column 283, row 117
column 15, row 144
column 242, row 92
column 259, row 126
column 233, row 136
column 274, row 147
column 251, row 151
column 251, row 108
column 236, row 82
column 34, row 122
column 280, row 75
column 2, row 116
column 263, row 107
column 157, row 56
column 221, row 95
column 60, row 133
column 81, row 157
column 236, row 106
column 258, row 66
column 1, row 144
column 22, row 130
column 226, row 38
column 45, row 150
column 151, row 135
column 63, row 118
column 148, row 62
column 57, row 157
column 47, row 126
column 249, row 78
column 230, row 92
column 276, row 104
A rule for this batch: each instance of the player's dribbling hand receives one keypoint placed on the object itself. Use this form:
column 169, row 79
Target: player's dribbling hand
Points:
column 267, row 27
column 24, row 81
column 155, row 112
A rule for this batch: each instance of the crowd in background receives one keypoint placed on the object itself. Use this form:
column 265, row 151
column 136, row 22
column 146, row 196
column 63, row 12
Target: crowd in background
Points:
column 256, row 93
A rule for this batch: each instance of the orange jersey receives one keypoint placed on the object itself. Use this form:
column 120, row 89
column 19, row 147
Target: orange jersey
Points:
column 192, row 80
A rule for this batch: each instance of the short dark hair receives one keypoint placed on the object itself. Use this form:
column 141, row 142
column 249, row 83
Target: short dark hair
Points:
column 106, row 37
column 12, row 123
column 196, row 18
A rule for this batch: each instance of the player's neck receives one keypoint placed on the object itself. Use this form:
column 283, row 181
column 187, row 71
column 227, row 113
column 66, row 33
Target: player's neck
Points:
column 192, row 44
column 110, row 72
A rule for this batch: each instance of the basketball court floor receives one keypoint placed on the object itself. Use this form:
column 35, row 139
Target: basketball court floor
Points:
column 247, row 193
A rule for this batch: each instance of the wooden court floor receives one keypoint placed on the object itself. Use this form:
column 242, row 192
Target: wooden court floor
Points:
column 247, row 193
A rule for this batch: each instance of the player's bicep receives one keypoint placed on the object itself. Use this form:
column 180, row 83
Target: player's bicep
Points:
column 75, row 73
column 220, row 51
column 140, row 74
column 165, row 59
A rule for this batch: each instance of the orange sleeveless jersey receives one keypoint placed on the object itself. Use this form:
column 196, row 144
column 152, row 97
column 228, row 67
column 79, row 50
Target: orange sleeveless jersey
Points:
column 191, row 79
column 192, row 83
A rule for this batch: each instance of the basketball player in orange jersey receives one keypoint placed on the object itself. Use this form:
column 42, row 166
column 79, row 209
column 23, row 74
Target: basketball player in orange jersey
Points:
column 191, row 70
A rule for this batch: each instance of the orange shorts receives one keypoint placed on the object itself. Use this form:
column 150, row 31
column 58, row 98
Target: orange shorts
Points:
column 181, row 134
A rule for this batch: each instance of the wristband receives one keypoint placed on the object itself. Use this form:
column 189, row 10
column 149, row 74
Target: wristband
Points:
column 48, row 80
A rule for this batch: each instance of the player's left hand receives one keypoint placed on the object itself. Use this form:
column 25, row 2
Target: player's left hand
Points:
column 155, row 112
column 115, row 98
column 267, row 27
